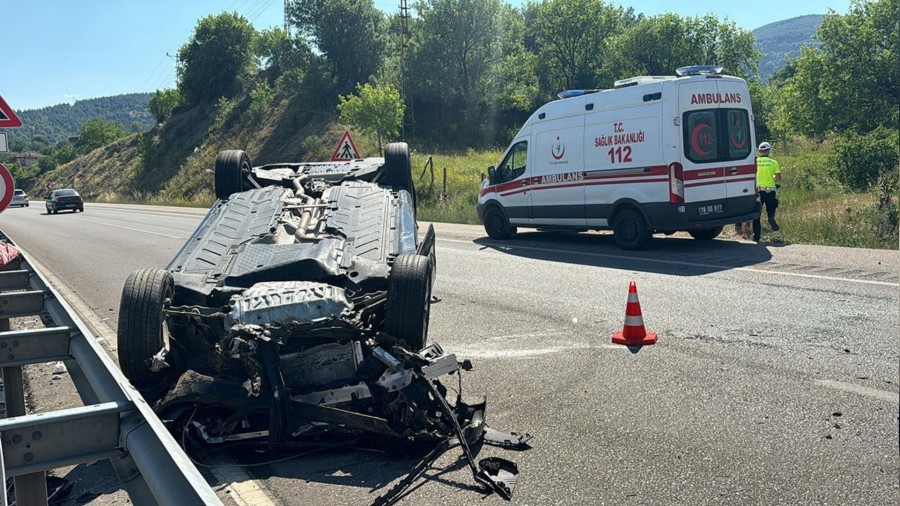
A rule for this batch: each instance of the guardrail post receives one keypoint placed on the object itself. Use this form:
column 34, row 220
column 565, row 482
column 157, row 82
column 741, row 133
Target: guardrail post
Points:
column 31, row 489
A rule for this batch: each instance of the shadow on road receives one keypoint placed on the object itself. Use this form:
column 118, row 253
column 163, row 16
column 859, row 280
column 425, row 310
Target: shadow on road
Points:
column 372, row 472
column 673, row 255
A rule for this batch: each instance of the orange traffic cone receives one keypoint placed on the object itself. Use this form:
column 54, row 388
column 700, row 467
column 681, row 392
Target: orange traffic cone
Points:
column 633, row 333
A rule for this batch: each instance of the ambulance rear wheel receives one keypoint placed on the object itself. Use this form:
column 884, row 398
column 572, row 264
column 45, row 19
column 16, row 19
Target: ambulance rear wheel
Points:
column 496, row 225
column 706, row 234
column 630, row 230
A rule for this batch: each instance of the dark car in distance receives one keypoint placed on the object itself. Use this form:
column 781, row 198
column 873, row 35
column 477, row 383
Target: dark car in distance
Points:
column 60, row 200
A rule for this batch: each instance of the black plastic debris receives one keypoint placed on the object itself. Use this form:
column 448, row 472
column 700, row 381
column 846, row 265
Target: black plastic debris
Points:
column 500, row 475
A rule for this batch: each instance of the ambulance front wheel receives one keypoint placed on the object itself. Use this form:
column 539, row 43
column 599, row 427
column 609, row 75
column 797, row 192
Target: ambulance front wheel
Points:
column 496, row 225
column 630, row 230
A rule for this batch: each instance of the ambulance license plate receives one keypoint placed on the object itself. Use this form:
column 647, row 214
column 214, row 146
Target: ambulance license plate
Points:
column 710, row 209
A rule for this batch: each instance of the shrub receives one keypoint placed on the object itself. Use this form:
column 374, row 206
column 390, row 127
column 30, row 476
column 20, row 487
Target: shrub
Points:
column 860, row 160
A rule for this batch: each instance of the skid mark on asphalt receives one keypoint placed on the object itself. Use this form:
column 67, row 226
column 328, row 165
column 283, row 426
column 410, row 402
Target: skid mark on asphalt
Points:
column 670, row 262
column 883, row 395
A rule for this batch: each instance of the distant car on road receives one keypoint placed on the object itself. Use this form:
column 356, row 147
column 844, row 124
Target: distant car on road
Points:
column 67, row 198
column 20, row 198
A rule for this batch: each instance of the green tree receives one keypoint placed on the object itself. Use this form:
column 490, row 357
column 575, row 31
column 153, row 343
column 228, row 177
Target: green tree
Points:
column 96, row 133
column 658, row 45
column 571, row 39
column 64, row 152
column 845, row 83
column 163, row 103
column 347, row 32
column 377, row 110
column 454, row 68
column 277, row 52
column 218, row 52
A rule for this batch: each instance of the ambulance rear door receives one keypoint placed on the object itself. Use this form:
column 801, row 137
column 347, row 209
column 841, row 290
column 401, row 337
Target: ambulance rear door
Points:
column 704, row 185
column 738, row 153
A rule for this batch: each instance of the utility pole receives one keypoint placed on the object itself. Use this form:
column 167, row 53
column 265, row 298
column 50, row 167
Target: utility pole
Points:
column 287, row 17
column 404, row 44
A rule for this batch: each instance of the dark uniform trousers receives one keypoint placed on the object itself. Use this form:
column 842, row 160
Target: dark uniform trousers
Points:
column 768, row 197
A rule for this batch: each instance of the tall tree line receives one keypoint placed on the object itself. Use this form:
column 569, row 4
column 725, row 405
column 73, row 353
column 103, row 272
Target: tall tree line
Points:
column 471, row 71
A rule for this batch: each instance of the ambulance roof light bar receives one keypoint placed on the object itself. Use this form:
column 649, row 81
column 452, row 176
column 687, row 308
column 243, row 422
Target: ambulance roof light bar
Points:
column 697, row 70
column 575, row 93
column 634, row 81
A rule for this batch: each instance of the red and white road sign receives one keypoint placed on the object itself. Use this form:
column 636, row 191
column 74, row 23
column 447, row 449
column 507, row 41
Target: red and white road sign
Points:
column 345, row 150
column 8, row 118
column 7, row 186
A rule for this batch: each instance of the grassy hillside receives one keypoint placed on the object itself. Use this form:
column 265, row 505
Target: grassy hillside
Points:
column 781, row 41
column 173, row 163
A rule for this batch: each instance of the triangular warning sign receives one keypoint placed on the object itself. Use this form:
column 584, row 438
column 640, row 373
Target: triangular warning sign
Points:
column 345, row 150
column 8, row 118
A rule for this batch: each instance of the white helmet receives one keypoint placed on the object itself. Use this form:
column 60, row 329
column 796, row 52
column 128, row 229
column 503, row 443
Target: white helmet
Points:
column 765, row 146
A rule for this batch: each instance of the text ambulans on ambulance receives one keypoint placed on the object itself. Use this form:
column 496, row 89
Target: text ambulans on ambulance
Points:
column 654, row 154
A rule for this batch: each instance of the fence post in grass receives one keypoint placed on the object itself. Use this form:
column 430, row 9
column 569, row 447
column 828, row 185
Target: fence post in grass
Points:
column 431, row 165
column 444, row 193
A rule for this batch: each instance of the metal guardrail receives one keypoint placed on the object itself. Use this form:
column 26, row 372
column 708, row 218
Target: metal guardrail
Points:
column 115, row 423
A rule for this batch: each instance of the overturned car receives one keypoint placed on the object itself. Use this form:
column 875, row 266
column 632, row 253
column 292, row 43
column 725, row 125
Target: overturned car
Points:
column 297, row 315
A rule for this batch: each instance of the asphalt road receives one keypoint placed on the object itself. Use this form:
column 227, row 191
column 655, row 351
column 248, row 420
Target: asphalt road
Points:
column 775, row 379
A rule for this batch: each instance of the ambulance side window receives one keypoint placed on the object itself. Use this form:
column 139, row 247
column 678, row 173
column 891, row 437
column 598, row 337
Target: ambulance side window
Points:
column 514, row 164
column 701, row 142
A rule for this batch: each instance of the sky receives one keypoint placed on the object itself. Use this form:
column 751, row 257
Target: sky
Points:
column 59, row 51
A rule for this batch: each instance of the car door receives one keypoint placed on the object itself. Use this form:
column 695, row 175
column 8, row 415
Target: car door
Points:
column 513, row 181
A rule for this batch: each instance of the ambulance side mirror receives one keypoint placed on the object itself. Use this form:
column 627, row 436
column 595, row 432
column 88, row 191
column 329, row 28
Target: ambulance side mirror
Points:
column 491, row 173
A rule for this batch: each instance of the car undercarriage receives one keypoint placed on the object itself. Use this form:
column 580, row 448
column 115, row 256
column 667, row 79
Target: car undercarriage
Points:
column 297, row 315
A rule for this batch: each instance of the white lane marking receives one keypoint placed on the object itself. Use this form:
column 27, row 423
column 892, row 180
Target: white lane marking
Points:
column 241, row 488
column 135, row 229
column 883, row 395
column 464, row 352
column 675, row 262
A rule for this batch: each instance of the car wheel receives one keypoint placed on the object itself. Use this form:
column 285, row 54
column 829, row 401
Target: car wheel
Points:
column 408, row 307
column 497, row 225
column 397, row 169
column 630, row 230
column 80, row 209
column 143, row 331
column 706, row 234
column 232, row 173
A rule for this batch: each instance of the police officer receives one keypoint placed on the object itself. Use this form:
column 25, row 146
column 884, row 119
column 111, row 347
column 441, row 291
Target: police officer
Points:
column 768, row 182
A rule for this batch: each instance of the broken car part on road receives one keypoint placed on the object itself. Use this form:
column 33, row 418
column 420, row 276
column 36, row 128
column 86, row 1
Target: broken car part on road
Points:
column 297, row 315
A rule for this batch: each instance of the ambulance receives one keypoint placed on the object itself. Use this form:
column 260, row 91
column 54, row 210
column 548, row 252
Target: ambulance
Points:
column 653, row 154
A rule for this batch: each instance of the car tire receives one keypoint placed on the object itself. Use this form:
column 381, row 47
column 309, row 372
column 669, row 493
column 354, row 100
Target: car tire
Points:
column 397, row 169
column 497, row 225
column 630, row 230
column 408, row 307
column 232, row 173
column 142, row 323
column 706, row 234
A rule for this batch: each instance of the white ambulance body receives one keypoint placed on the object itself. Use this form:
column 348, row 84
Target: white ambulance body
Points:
column 655, row 154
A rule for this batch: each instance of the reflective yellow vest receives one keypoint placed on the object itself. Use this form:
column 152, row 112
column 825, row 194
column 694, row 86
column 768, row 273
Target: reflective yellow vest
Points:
column 766, row 168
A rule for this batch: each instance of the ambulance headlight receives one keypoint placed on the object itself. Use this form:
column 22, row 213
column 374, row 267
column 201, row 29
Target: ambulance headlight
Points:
column 681, row 209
